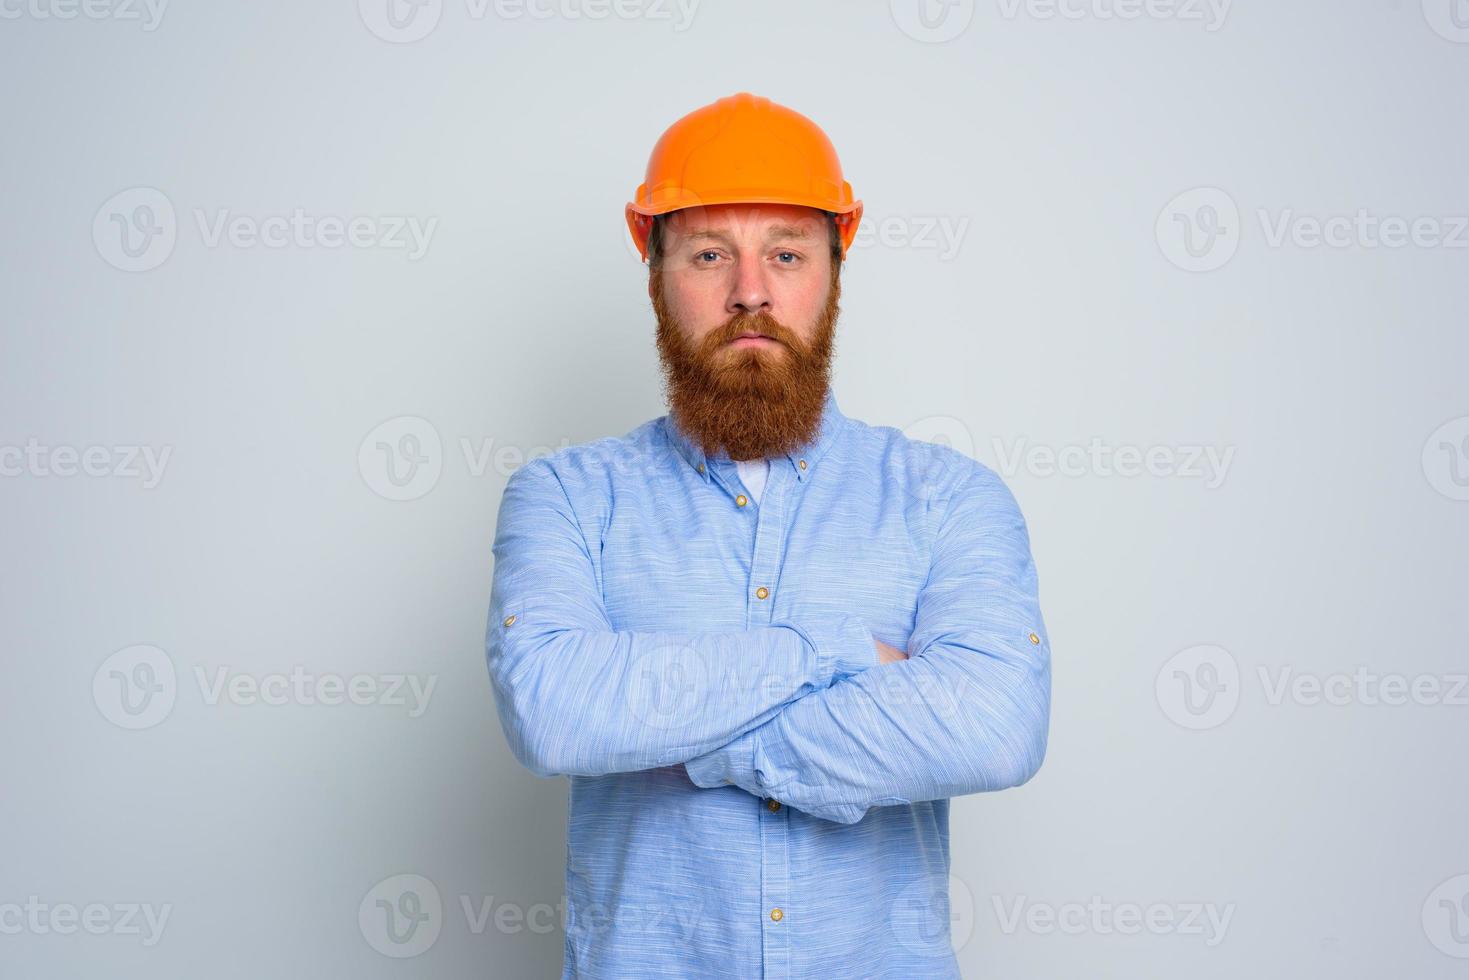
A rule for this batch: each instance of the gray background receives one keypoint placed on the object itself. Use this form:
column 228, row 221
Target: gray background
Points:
column 1079, row 303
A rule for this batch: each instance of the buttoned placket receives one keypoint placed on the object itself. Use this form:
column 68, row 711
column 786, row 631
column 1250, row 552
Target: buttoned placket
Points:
column 762, row 592
column 766, row 519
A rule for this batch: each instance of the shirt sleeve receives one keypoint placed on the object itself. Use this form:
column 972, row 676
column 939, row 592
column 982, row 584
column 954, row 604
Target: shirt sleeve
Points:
column 577, row 697
column 967, row 712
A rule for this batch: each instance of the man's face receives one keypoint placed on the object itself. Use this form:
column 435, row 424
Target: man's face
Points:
column 746, row 299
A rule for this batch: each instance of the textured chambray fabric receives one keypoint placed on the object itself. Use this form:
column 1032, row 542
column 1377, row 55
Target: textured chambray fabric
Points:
column 752, row 795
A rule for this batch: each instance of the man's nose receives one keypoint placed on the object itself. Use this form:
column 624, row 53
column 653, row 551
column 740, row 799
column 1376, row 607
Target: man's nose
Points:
column 749, row 293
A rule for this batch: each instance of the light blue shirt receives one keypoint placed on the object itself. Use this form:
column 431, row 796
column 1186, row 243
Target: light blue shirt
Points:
column 751, row 794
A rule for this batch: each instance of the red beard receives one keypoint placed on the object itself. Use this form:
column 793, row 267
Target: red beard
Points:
column 752, row 402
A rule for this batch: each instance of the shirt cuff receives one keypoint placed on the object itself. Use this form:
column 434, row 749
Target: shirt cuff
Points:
column 843, row 646
column 732, row 764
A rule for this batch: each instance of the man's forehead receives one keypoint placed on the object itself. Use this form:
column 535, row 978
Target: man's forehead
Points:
column 737, row 220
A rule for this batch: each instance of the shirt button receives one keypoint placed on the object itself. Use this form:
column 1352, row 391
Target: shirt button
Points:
column 509, row 620
column 776, row 915
column 762, row 593
column 741, row 500
column 802, row 464
column 772, row 805
column 701, row 467
column 1034, row 638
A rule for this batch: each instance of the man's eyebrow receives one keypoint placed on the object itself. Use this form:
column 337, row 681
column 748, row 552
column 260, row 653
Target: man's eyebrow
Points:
column 776, row 231
column 789, row 231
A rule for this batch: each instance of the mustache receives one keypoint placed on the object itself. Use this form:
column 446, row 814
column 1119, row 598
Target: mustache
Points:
column 743, row 323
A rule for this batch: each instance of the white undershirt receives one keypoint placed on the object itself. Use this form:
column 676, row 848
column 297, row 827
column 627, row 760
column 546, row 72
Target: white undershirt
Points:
column 752, row 474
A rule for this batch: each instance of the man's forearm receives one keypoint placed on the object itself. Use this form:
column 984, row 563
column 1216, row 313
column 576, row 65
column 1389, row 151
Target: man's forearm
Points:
column 578, row 697
column 580, row 701
column 946, row 723
column 967, row 712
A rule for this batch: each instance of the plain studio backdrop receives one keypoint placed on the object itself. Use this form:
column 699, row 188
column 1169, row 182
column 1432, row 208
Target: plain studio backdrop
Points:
column 290, row 289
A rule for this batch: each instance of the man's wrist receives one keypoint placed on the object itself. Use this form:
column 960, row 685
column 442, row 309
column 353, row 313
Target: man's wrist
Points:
column 843, row 645
column 732, row 764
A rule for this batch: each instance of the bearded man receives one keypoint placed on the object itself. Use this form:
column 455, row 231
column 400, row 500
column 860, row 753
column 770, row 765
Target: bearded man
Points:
column 766, row 642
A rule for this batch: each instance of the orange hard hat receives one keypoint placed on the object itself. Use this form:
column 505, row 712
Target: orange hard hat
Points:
column 743, row 149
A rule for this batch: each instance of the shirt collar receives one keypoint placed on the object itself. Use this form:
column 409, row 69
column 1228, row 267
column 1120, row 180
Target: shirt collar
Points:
column 802, row 459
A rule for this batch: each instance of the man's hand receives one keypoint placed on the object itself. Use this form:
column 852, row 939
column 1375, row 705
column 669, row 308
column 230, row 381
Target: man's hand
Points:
column 887, row 654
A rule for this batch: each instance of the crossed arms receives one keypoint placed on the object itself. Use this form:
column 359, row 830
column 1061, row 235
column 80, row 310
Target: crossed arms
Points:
column 800, row 712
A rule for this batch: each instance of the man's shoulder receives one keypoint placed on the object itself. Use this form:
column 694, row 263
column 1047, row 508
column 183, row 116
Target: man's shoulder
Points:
column 934, row 466
column 598, row 460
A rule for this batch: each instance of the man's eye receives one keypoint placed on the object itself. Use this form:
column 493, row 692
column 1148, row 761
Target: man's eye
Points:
column 792, row 255
column 711, row 255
